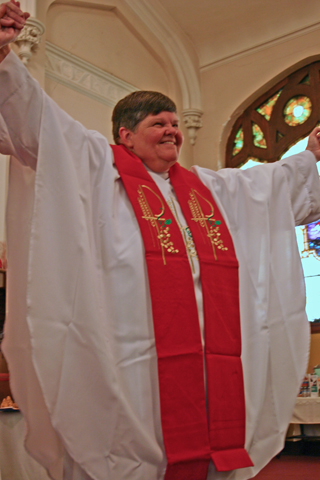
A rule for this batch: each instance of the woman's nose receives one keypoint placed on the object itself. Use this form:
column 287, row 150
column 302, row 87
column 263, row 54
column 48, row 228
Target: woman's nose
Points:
column 171, row 130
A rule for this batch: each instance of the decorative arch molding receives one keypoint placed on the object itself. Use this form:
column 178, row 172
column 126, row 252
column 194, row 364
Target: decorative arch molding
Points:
column 83, row 77
column 148, row 20
column 181, row 54
column 269, row 125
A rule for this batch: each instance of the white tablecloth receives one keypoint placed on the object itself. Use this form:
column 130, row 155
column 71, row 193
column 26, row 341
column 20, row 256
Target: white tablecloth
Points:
column 307, row 413
column 306, row 410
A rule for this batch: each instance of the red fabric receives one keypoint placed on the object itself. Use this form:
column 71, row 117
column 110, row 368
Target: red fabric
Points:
column 226, row 460
column 187, row 470
column 177, row 334
column 220, row 289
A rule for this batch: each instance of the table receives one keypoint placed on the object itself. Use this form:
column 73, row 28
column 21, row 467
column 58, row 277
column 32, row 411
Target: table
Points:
column 306, row 410
column 306, row 416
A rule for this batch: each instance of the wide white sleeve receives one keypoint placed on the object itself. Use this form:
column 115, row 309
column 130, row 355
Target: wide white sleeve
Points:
column 22, row 105
column 20, row 109
column 261, row 183
column 303, row 186
column 53, row 242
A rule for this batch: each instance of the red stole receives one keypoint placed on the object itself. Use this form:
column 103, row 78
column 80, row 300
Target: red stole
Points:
column 191, row 435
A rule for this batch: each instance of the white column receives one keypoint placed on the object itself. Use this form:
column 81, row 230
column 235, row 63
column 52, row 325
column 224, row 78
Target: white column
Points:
column 30, row 36
column 29, row 39
column 192, row 118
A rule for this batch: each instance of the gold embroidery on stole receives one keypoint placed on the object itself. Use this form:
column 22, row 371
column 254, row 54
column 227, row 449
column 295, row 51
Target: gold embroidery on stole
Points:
column 159, row 226
column 206, row 221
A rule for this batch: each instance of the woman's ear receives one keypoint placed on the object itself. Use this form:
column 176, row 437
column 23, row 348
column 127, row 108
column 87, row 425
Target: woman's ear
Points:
column 126, row 137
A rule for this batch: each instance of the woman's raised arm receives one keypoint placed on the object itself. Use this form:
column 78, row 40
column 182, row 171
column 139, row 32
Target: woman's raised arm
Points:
column 12, row 21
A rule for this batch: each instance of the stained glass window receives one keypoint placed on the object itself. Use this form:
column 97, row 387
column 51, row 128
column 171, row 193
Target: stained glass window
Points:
column 312, row 239
column 308, row 238
column 297, row 110
column 266, row 108
column 258, row 137
column 292, row 101
column 238, row 142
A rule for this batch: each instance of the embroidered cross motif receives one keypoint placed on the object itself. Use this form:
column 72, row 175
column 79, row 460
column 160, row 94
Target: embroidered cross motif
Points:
column 160, row 230
column 206, row 221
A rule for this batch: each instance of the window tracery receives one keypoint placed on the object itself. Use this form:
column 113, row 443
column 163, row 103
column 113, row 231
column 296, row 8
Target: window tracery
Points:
column 279, row 118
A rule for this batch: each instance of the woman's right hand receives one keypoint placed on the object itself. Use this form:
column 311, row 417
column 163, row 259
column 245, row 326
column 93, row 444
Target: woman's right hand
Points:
column 12, row 21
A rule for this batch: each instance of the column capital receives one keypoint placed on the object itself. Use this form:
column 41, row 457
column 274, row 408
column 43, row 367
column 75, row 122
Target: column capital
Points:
column 29, row 39
column 192, row 119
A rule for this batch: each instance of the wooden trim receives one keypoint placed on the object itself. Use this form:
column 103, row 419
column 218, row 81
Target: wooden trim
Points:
column 315, row 327
column 3, row 278
column 290, row 87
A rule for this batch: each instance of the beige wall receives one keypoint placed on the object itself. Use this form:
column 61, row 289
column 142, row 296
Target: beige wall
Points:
column 101, row 38
column 104, row 38
column 91, row 113
column 106, row 44
column 314, row 352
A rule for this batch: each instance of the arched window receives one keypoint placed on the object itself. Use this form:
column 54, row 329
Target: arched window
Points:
column 277, row 119
column 273, row 126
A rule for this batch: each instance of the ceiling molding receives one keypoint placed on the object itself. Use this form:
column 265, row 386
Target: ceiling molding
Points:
column 83, row 77
column 261, row 46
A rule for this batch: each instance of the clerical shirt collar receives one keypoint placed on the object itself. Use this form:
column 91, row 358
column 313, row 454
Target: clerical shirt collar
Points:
column 164, row 175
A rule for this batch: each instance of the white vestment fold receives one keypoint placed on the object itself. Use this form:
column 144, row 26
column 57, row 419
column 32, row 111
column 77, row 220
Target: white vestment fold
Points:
column 79, row 333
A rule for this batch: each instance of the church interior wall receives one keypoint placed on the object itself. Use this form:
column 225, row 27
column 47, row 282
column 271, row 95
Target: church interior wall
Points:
column 92, row 114
column 102, row 38
column 229, row 86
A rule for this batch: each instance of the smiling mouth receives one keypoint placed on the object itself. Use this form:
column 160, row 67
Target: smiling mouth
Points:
column 169, row 142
